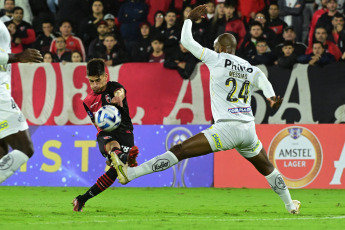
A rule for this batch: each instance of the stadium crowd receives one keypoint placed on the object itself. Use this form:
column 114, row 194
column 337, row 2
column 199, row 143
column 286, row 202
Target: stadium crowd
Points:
column 270, row 32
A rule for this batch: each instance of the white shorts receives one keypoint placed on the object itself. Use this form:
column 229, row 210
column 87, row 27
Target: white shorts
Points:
column 12, row 119
column 240, row 135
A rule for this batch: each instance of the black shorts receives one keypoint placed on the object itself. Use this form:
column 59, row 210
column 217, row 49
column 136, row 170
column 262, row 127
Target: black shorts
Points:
column 126, row 141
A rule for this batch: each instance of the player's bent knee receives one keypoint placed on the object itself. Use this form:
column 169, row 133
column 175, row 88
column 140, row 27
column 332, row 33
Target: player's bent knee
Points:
column 178, row 151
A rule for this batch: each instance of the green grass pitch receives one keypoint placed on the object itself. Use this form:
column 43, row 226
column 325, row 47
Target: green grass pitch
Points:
column 50, row 208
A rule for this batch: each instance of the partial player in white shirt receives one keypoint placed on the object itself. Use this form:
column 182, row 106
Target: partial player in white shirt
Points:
column 232, row 81
column 13, row 127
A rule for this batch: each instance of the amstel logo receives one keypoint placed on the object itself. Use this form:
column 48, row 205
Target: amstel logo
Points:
column 296, row 152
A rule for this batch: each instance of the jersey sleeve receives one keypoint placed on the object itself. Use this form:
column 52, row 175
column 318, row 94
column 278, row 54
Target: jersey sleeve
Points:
column 89, row 112
column 115, row 86
column 261, row 82
column 206, row 55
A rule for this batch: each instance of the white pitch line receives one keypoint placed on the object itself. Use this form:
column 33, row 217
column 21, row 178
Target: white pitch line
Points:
column 191, row 218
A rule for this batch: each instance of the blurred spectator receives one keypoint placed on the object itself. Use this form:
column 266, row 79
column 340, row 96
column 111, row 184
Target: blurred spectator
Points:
column 24, row 30
column 326, row 19
column 41, row 13
column 88, row 27
column 157, row 54
column 97, row 43
column 275, row 23
column 289, row 58
column 184, row 16
column 8, row 10
column 61, row 54
column 263, row 55
column 131, row 14
column 159, row 23
column 318, row 56
column 210, row 10
column 290, row 35
column 25, row 5
column 16, row 45
column 267, row 32
column 338, row 33
column 154, row 6
column 44, row 40
column 181, row 60
column 330, row 47
column 48, row 57
column 200, row 31
column 76, row 57
column 113, row 27
column 218, row 22
column 113, row 54
column 317, row 14
column 248, row 8
column 233, row 24
column 172, row 33
column 74, row 11
column 248, row 47
column 72, row 42
column 291, row 13
column 142, row 49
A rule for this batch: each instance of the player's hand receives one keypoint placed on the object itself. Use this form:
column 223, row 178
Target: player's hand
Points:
column 28, row 55
column 117, row 101
column 275, row 101
column 198, row 13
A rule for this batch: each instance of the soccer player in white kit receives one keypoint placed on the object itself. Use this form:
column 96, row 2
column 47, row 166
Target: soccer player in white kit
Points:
column 13, row 126
column 232, row 81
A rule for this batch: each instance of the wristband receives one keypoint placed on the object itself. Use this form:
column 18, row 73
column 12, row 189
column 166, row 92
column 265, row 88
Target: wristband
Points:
column 3, row 58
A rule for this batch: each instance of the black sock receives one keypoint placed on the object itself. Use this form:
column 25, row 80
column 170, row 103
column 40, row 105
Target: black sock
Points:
column 103, row 182
column 122, row 156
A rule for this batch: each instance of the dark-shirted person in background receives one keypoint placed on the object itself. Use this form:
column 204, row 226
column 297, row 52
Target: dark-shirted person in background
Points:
column 288, row 57
column 159, row 23
column 248, row 47
column 44, row 40
column 172, row 33
column 61, row 54
column 181, row 60
column 8, row 11
column 267, row 32
column 142, row 48
column 24, row 30
column 275, row 23
column 157, row 54
column 263, row 55
column 97, row 43
column 290, row 35
column 318, row 57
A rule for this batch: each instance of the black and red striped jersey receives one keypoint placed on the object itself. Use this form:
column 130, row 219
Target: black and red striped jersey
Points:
column 94, row 101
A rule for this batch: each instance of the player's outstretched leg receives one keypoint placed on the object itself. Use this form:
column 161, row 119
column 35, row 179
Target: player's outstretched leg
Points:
column 120, row 167
column 275, row 180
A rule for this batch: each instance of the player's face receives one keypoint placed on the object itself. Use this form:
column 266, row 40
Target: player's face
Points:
column 98, row 83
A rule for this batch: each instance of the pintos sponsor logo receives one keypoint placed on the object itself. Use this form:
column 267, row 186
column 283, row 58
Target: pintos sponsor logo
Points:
column 296, row 152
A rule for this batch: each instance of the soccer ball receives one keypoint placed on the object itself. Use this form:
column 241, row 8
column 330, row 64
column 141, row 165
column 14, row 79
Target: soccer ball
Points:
column 108, row 118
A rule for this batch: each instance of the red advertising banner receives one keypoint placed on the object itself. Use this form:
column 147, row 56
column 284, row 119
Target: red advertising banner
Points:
column 307, row 156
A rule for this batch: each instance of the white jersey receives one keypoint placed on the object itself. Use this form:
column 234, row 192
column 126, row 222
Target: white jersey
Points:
column 232, row 80
column 5, row 48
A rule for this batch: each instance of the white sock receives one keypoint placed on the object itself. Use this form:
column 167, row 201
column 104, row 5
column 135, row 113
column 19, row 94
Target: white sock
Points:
column 156, row 164
column 10, row 163
column 277, row 183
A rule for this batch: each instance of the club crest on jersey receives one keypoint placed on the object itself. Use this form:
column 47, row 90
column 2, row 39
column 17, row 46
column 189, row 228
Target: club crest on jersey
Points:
column 107, row 98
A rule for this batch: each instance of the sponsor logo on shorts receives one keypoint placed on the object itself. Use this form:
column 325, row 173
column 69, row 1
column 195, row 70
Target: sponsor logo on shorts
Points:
column 256, row 146
column 161, row 165
column 6, row 162
column 297, row 154
column 240, row 110
column 3, row 125
column 217, row 141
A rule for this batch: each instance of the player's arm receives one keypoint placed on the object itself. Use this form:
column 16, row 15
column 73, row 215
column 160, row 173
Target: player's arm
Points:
column 90, row 114
column 262, row 83
column 119, row 95
column 187, row 39
column 28, row 55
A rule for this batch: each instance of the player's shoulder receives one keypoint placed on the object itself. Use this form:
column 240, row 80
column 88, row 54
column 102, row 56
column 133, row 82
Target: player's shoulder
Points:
column 89, row 99
column 114, row 84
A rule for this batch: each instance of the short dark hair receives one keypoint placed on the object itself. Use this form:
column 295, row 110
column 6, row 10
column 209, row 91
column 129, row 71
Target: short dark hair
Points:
column 261, row 39
column 255, row 23
column 18, row 8
column 158, row 38
column 95, row 67
column 317, row 42
column 288, row 43
column 338, row 15
column 65, row 21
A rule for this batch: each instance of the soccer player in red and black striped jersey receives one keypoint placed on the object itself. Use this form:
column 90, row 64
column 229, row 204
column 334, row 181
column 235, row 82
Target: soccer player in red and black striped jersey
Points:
column 119, row 141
